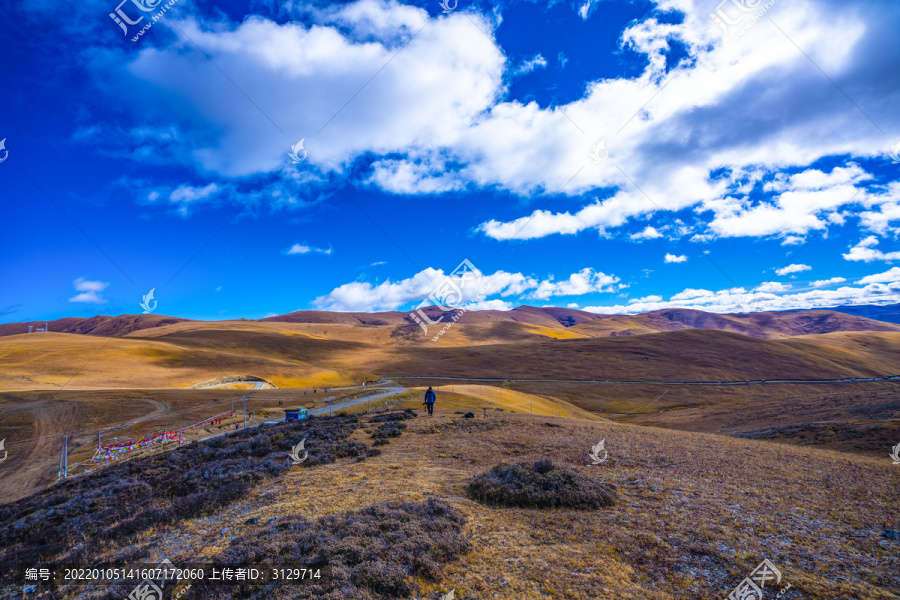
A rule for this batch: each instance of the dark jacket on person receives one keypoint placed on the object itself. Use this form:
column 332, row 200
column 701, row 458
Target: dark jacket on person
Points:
column 429, row 397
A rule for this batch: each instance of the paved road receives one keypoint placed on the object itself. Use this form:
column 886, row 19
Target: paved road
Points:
column 391, row 391
column 388, row 391
column 257, row 385
column 616, row 382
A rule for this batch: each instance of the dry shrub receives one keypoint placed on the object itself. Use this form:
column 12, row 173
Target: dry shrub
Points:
column 389, row 430
column 540, row 485
column 375, row 552
column 394, row 416
column 115, row 504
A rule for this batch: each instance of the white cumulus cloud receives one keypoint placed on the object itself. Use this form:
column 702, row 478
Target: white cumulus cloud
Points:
column 866, row 252
column 792, row 269
column 889, row 276
column 91, row 292
column 826, row 282
column 306, row 249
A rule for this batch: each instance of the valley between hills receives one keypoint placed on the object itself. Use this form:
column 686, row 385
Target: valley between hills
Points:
column 709, row 479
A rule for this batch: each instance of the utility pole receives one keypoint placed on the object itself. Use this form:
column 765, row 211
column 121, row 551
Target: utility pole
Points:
column 329, row 406
column 64, row 460
column 253, row 417
column 99, row 437
column 244, row 400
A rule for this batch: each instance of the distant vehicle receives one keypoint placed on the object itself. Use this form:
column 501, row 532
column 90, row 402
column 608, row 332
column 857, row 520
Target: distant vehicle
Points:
column 295, row 414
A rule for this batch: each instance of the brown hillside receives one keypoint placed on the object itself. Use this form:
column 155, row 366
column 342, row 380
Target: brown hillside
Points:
column 694, row 513
column 764, row 325
column 99, row 325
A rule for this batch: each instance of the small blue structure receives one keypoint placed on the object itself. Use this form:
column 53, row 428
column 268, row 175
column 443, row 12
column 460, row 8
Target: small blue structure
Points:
column 295, row 414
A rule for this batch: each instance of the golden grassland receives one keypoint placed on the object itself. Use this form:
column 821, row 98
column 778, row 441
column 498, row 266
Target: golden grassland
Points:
column 295, row 355
column 696, row 513
column 57, row 382
column 57, row 361
column 27, row 415
column 33, row 423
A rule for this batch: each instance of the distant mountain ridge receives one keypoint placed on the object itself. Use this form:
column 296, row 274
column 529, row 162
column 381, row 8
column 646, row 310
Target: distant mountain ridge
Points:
column 760, row 325
column 889, row 313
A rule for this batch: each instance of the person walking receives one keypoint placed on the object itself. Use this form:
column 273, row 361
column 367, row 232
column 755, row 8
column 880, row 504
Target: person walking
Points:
column 429, row 401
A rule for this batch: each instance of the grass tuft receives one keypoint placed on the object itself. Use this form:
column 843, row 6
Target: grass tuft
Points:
column 540, row 485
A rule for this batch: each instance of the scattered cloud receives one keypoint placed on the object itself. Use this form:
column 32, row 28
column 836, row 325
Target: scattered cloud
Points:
column 305, row 249
column 827, row 282
column 645, row 299
column 793, row 240
column 672, row 258
column 536, row 62
column 495, row 304
column 453, row 126
column 772, row 286
column 391, row 295
column 91, row 292
column 585, row 10
column 648, row 233
column 865, row 251
column 585, row 281
column 888, row 276
column 735, row 300
column 792, row 269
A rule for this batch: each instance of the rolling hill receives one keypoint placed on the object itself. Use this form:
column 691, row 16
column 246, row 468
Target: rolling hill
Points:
column 763, row 325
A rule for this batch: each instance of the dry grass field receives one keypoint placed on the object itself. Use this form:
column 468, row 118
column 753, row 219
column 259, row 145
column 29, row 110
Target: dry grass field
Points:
column 695, row 513
column 709, row 479
column 54, row 383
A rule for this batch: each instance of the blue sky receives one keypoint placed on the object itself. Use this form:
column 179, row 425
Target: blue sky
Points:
column 610, row 156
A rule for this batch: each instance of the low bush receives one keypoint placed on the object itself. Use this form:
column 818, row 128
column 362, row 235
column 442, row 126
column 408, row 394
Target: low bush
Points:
column 116, row 503
column 376, row 552
column 394, row 416
column 540, row 485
